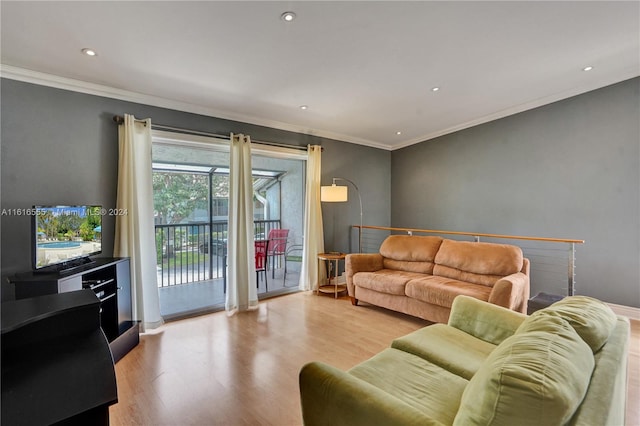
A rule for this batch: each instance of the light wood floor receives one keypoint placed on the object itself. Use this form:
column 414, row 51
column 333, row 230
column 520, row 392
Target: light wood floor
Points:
column 243, row 370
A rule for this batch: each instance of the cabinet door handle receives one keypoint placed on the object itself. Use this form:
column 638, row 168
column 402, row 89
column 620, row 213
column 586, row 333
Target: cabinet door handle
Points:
column 119, row 288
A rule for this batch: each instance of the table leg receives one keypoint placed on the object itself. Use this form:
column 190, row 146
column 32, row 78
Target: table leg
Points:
column 335, row 278
column 319, row 283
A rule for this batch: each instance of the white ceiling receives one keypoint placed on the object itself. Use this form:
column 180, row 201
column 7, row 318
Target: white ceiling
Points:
column 365, row 69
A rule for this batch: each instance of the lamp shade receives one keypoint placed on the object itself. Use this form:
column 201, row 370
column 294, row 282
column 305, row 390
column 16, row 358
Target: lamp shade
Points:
column 333, row 193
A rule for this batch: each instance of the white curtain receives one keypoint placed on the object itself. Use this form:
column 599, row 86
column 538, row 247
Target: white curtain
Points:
column 242, row 294
column 135, row 232
column 310, row 275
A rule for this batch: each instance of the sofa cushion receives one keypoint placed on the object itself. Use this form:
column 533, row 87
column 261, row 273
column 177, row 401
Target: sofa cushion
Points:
column 385, row 280
column 486, row 321
column 608, row 385
column 403, row 265
column 592, row 319
column 456, row 274
column 480, row 263
column 450, row 348
column 419, row 383
column 329, row 396
column 410, row 253
column 442, row 291
column 539, row 376
column 410, row 248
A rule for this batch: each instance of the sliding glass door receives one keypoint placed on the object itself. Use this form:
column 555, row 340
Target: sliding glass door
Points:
column 191, row 189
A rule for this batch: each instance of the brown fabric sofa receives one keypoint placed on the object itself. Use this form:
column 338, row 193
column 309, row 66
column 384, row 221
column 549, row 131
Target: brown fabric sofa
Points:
column 421, row 276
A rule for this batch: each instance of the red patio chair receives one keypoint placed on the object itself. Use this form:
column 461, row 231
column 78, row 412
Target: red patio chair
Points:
column 277, row 246
column 261, row 262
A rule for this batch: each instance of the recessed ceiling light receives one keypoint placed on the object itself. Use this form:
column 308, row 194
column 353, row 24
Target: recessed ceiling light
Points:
column 589, row 68
column 288, row 16
column 303, row 107
column 435, row 89
column 398, row 133
column 89, row 52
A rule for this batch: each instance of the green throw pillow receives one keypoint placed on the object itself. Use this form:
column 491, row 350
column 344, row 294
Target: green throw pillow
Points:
column 592, row 319
column 538, row 376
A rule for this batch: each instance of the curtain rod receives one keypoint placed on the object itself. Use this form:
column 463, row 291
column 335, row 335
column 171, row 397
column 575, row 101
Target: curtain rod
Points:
column 119, row 119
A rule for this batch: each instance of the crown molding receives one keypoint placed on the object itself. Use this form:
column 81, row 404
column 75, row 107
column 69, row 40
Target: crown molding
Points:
column 51, row 80
column 546, row 100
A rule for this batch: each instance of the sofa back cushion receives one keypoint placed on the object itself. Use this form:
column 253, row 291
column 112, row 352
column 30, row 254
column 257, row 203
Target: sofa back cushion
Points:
column 410, row 253
column 538, row 376
column 591, row 318
column 478, row 263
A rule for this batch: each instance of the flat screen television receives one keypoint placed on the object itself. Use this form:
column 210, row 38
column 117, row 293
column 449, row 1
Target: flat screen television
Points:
column 65, row 237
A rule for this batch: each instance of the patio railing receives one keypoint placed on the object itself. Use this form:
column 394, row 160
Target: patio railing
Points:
column 192, row 252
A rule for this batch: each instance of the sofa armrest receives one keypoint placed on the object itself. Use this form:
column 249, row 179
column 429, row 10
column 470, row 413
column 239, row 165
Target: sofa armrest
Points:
column 330, row 396
column 361, row 262
column 486, row 321
column 512, row 292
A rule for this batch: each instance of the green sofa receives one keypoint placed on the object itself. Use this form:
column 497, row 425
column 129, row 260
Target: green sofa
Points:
column 565, row 364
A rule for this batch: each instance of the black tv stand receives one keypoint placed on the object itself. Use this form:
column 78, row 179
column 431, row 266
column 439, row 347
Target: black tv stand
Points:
column 109, row 279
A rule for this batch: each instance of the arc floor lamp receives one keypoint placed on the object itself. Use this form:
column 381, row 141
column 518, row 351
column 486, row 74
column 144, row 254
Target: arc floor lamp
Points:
column 339, row 194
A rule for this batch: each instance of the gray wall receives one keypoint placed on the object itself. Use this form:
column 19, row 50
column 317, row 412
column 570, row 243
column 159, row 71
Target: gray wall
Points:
column 570, row 169
column 60, row 147
column 370, row 171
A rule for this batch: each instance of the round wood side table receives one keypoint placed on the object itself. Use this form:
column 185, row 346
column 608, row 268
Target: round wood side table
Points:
column 329, row 288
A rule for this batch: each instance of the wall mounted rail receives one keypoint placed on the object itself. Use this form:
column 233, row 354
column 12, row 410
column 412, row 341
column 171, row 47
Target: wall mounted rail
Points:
column 571, row 268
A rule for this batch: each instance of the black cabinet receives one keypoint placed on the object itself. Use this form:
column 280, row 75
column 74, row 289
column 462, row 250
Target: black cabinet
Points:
column 57, row 367
column 110, row 280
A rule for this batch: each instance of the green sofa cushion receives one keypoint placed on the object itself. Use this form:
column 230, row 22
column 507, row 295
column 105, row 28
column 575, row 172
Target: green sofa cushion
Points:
column 539, row 376
column 450, row 348
column 592, row 319
column 604, row 404
column 486, row 321
column 331, row 397
column 418, row 383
